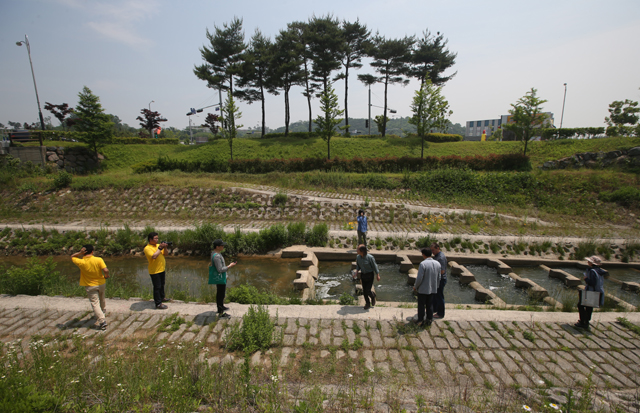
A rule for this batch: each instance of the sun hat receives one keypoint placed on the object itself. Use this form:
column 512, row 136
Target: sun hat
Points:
column 594, row 259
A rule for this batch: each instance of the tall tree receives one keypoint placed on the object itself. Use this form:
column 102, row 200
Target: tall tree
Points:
column 328, row 121
column 622, row 113
column 92, row 120
column 368, row 80
column 356, row 38
column 301, row 29
column 526, row 115
column 430, row 58
column 430, row 111
column 61, row 112
column 326, row 46
column 150, row 120
column 391, row 59
column 285, row 70
column 229, row 113
column 223, row 57
column 254, row 76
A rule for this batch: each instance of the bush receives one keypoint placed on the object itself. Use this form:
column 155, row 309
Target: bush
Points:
column 256, row 332
column 280, row 200
column 425, row 242
column 62, row 179
column 440, row 137
column 347, row 299
column 247, row 294
column 144, row 141
column 627, row 196
column 493, row 162
column 35, row 278
column 295, row 232
column 318, row 236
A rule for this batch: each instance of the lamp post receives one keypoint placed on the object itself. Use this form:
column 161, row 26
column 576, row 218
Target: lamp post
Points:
column 20, row 43
column 150, row 105
column 563, row 100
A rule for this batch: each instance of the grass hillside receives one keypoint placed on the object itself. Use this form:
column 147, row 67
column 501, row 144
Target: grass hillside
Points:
column 123, row 156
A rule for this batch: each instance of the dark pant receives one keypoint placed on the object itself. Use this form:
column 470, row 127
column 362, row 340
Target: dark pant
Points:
column 158, row 287
column 424, row 303
column 585, row 312
column 222, row 289
column 367, row 283
column 362, row 238
column 438, row 299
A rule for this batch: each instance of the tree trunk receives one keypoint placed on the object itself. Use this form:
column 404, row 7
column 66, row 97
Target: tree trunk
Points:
column 263, row 120
column 286, row 111
column 422, row 151
column 306, row 83
column 384, row 115
column 346, row 94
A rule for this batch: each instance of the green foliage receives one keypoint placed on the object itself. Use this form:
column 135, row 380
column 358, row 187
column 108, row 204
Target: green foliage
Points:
column 430, row 110
column 92, row 120
column 327, row 122
column 318, row 236
column 37, row 277
column 171, row 323
column 247, row 294
column 425, row 242
column 627, row 196
column 442, row 137
column 526, row 115
column 62, row 179
column 296, row 233
column 229, row 114
column 566, row 133
column 138, row 140
column 280, row 200
column 256, row 332
column 622, row 113
column 347, row 299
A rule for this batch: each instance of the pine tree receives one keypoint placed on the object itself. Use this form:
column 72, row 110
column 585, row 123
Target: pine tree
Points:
column 327, row 122
column 92, row 120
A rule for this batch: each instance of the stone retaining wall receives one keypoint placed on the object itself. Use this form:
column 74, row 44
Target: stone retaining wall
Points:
column 73, row 159
column 596, row 160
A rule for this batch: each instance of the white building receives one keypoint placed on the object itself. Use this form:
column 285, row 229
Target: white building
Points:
column 475, row 128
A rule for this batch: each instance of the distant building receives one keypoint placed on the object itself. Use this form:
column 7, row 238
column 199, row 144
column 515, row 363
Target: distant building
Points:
column 474, row 128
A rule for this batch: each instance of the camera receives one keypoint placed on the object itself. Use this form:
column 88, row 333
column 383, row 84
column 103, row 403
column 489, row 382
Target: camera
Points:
column 169, row 243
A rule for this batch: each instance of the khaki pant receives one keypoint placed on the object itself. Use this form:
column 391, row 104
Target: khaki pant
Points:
column 96, row 297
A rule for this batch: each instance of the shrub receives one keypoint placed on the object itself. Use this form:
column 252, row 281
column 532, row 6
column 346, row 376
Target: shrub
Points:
column 347, row 299
column 280, row 200
column 256, row 332
column 318, row 236
column 295, row 232
column 442, row 137
column 626, row 196
column 425, row 242
column 62, row 179
column 247, row 294
column 35, row 278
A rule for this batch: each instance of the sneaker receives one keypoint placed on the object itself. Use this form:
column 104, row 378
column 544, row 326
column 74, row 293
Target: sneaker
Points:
column 224, row 315
column 161, row 307
column 366, row 307
column 166, row 300
column 437, row 316
column 581, row 325
column 102, row 326
column 373, row 300
column 225, row 308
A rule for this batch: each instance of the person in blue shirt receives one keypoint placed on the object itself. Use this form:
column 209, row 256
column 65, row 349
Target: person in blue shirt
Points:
column 362, row 228
column 594, row 278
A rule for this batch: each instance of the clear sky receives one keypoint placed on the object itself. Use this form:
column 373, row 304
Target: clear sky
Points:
column 132, row 52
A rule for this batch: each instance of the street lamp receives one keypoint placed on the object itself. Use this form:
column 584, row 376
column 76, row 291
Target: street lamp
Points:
column 150, row 105
column 563, row 100
column 20, row 43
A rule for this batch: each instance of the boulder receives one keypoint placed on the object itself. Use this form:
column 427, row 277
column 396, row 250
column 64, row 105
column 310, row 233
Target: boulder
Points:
column 53, row 158
column 632, row 152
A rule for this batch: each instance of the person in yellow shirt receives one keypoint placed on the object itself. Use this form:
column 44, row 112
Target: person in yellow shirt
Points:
column 93, row 276
column 155, row 254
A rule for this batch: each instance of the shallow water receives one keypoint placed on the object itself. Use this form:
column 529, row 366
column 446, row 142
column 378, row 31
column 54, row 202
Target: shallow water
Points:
column 190, row 273
column 612, row 287
column 501, row 284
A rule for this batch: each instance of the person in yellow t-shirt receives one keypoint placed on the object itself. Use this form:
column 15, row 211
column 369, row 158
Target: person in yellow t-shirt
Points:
column 155, row 254
column 93, row 277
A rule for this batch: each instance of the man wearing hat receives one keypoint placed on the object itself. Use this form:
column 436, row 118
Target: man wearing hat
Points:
column 218, row 262
column 594, row 278
column 362, row 228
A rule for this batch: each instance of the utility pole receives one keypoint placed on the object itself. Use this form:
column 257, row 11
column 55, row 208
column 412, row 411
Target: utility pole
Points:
column 563, row 100
column 369, row 110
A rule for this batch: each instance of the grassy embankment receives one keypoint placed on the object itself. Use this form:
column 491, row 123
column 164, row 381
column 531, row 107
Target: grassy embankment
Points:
column 566, row 196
